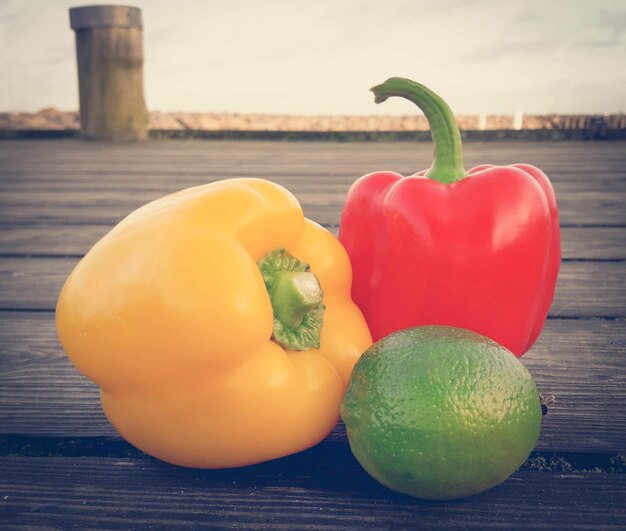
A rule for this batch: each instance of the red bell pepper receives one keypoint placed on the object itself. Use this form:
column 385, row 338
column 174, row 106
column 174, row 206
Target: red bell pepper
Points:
column 478, row 249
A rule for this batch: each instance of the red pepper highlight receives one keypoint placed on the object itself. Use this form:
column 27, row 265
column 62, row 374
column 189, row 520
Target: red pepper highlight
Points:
column 478, row 250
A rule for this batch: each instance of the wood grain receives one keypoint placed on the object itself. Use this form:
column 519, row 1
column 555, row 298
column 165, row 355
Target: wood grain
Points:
column 59, row 197
column 581, row 362
column 72, row 183
column 573, row 157
column 580, row 204
column 305, row 491
column 175, row 163
column 584, row 289
column 578, row 243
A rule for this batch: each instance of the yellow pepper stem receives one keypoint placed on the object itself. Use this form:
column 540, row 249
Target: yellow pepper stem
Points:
column 296, row 297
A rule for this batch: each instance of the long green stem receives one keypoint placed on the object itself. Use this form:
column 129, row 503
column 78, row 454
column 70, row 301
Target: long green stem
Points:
column 447, row 166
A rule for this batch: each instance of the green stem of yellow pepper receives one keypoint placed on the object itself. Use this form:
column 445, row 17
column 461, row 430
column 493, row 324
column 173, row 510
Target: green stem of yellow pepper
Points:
column 296, row 297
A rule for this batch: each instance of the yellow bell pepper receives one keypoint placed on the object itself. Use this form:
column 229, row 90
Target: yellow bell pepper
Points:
column 212, row 341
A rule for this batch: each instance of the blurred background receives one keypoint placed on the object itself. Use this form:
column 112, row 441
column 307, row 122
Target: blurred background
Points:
column 308, row 58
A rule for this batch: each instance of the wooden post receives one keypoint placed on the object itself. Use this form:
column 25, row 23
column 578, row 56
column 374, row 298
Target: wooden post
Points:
column 109, row 51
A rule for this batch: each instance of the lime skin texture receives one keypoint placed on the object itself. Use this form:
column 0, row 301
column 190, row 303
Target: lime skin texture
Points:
column 440, row 413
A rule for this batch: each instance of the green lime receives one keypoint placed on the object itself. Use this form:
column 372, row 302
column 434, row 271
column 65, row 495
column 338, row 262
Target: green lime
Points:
column 440, row 412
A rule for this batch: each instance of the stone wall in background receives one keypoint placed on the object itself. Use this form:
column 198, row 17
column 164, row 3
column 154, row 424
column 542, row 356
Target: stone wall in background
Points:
column 53, row 119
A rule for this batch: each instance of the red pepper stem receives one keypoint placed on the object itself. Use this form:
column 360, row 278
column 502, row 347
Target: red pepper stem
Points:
column 447, row 166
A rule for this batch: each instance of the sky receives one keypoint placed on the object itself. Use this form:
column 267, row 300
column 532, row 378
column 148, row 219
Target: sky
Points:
column 321, row 56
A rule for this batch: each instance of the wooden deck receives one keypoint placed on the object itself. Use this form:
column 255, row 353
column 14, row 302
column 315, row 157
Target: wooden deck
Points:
column 62, row 464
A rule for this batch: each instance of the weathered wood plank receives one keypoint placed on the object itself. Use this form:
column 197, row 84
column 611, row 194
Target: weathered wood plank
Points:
column 584, row 289
column 167, row 161
column 167, row 177
column 83, row 189
column 582, row 362
column 297, row 492
column 583, row 156
column 599, row 211
column 68, row 182
column 579, row 203
column 578, row 243
column 143, row 187
column 590, row 289
column 47, row 240
column 602, row 211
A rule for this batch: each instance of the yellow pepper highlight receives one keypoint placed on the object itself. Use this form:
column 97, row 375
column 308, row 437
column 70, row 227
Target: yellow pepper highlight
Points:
column 170, row 315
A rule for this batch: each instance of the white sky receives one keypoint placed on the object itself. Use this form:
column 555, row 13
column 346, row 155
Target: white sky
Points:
column 321, row 56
